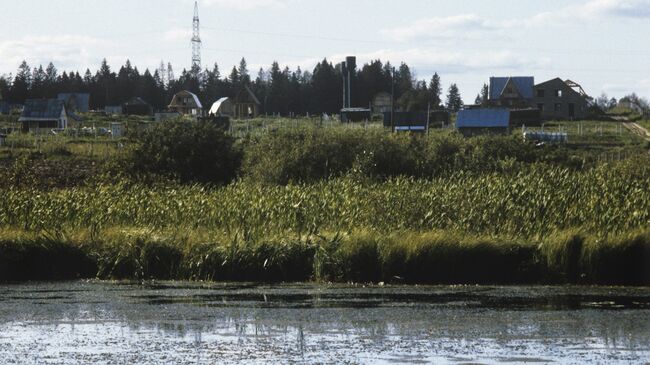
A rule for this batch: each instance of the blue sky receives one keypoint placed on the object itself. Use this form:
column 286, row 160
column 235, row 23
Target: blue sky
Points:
column 601, row 44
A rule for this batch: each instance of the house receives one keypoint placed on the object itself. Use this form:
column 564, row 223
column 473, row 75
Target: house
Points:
column 75, row 102
column 246, row 104
column 221, row 108
column 473, row 122
column 43, row 114
column 137, row 106
column 511, row 92
column 5, row 108
column 185, row 102
column 558, row 99
column 113, row 110
column 382, row 103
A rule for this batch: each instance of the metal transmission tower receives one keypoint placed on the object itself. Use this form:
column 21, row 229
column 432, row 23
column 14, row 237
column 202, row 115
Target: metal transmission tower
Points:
column 196, row 41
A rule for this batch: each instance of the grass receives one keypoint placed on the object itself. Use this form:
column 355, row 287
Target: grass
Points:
column 434, row 257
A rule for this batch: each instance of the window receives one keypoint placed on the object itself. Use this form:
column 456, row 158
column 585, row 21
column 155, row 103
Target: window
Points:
column 541, row 93
column 540, row 107
column 558, row 107
column 558, row 93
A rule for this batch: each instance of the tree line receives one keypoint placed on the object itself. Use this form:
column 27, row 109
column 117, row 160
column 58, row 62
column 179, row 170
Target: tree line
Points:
column 280, row 90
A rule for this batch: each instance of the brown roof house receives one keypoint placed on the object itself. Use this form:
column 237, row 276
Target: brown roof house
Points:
column 185, row 102
column 562, row 100
column 42, row 115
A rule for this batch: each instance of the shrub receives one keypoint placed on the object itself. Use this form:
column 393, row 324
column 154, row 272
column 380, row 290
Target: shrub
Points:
column 189, row 151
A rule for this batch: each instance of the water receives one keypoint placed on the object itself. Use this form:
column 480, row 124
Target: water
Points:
column 181, row 323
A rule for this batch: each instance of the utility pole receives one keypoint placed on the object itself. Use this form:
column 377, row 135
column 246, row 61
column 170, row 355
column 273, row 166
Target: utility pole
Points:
column 392, row 101
column 196, row 41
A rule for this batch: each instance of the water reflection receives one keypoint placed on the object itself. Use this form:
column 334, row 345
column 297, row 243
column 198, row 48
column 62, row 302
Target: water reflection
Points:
column 190, row 323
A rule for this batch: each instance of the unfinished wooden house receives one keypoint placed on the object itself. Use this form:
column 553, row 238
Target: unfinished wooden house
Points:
column 511, row 92
column 561, row 100
column 186, row 103
column 246, row 104
column 43, row 115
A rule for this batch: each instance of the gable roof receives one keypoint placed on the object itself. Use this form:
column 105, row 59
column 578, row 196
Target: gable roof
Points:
column 524, row 84
column 42, row 109
column 136, row 100
column 483, row 118
column 79, row 101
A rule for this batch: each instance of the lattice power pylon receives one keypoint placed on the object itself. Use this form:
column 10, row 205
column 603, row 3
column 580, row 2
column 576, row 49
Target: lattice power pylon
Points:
column 196, row 40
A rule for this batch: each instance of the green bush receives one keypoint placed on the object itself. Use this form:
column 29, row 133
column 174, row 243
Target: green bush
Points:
column 190, row 151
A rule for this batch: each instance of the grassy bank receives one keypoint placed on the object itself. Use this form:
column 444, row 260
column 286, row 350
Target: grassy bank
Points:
column 359, row 256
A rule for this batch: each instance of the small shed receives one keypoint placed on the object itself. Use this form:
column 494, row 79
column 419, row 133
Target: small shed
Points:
column 116, row 130
column 137, row 106
column 113, row 110
column 474, row 122
column 221, row 108
column 246, row 104
column 43, row 114
column 185, row 102
column 75, row 102
column 5, row 108
column 349, row 115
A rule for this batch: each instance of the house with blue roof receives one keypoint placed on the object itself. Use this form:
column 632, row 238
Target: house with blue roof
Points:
column 473, row 122
column 512, row 92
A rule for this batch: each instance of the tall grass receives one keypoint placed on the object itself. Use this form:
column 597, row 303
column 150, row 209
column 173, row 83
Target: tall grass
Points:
column 359, row 256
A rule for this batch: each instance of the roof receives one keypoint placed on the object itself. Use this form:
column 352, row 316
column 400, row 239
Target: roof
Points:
column 81, row 100
column 483, row 118
column 217, row 105
column 186, row 93
column 524, row 84
column 42, row 109
column 355, row 110
column 136, row 101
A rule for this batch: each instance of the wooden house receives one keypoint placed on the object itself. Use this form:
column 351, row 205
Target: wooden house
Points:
column 511, row 92
column 186, row 103
column 246, row 104
column 41, row 115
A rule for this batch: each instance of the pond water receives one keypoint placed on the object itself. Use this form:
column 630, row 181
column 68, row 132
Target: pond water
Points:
column 191, row 323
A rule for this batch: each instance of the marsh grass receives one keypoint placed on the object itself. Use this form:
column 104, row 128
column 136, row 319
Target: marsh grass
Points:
column 436, row 257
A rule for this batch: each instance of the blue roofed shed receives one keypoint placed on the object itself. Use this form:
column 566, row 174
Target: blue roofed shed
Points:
column 472, row 122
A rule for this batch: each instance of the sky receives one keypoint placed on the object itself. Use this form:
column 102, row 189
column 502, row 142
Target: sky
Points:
column 601, row 44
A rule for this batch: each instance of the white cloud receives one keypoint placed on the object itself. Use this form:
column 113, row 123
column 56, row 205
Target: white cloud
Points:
column 457, row 26
column 65, row 51
column 472, row 26
column 618, row 8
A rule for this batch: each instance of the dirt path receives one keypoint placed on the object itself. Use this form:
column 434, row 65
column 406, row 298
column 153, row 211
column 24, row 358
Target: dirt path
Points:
column 637, row 129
